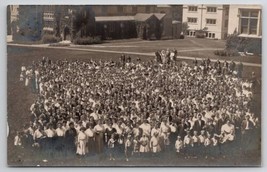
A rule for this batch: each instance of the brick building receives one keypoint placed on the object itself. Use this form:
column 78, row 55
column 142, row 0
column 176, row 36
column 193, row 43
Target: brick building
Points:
column 110, row 21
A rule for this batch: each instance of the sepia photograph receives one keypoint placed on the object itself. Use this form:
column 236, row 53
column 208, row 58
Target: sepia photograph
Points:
column 134, row 85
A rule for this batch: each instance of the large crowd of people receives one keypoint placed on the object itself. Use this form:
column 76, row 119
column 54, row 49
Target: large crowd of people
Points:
column 133, row 108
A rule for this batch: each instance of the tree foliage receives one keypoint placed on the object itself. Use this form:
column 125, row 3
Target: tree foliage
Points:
column 243, row 44
column 185, row 27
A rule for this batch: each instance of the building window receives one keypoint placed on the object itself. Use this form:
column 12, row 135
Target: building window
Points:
column 210, row 35
column 211, row 21
column 134, row 9
column 111, row 27
column 227, row 12
column 187, row 32
column 175, row 15
column 249, row 21
column 211, row 9
column 104, row 10
column 147, row 9
column 225, row 23
column 120, row 8
column 192, row 33
column 191, row 20
column 192, row 8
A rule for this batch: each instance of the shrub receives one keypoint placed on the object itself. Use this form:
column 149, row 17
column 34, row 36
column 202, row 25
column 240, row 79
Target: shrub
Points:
column 200, row 34
column 254, row 46
column 48, row 32
column 251, row 45
column 87, row 40
column 50, row 39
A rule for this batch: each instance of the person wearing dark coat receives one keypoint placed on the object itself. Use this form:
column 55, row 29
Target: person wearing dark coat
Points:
column 220, row 123
column 240, row 70
column 182, row 128
column 247, row 127
column 70, row 137
column 199, row 124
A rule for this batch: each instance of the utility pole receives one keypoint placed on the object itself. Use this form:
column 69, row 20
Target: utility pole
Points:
column 201, row 17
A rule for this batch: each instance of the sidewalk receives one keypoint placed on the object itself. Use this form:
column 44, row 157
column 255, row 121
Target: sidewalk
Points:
column 116, row 52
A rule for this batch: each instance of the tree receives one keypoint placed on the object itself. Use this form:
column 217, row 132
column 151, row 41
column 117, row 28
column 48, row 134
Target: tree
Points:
column 184, row 27
column 29, row 23
column 234, row 42
column 243, row 44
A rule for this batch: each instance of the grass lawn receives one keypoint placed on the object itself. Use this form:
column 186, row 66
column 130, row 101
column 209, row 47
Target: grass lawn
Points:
column 191, row 47
column 20, row 99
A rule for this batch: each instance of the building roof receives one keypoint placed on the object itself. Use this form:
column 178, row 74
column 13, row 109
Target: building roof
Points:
column 163, row 6
column 143, row 16
column 146, row 16
column 138, row 17
column 114, row 18
column 160, row 15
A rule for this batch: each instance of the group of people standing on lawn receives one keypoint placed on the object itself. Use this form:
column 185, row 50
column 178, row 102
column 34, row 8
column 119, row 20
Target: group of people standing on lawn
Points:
column 138, row 108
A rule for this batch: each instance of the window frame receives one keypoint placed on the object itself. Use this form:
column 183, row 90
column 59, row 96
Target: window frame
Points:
column 211, row 10
column 249, row 19
column 191, row 21
column 192, row 7
column 211, row 23
column 120, row 9
column 226, row 23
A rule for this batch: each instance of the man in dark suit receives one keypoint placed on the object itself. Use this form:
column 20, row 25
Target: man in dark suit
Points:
column 247, row 127
column 70, row 136
column 220, row 123
column 182, row 128
column 199, row 124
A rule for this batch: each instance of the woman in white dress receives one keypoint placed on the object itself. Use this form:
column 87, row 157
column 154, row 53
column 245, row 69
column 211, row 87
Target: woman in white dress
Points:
column 179, row 144
column 144, row 144
column 28, row 77
column 23, row 71
column 227, row 132
column 154, row 143
column 91, row 139
column 99, row 137
column 81, row 142
column 17, row 139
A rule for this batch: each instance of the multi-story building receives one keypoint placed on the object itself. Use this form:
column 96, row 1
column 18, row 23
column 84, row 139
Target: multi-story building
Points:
column 109, row 22
column 213, row 19
column 246, row 20
column 219, row 21
column 118, row 21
